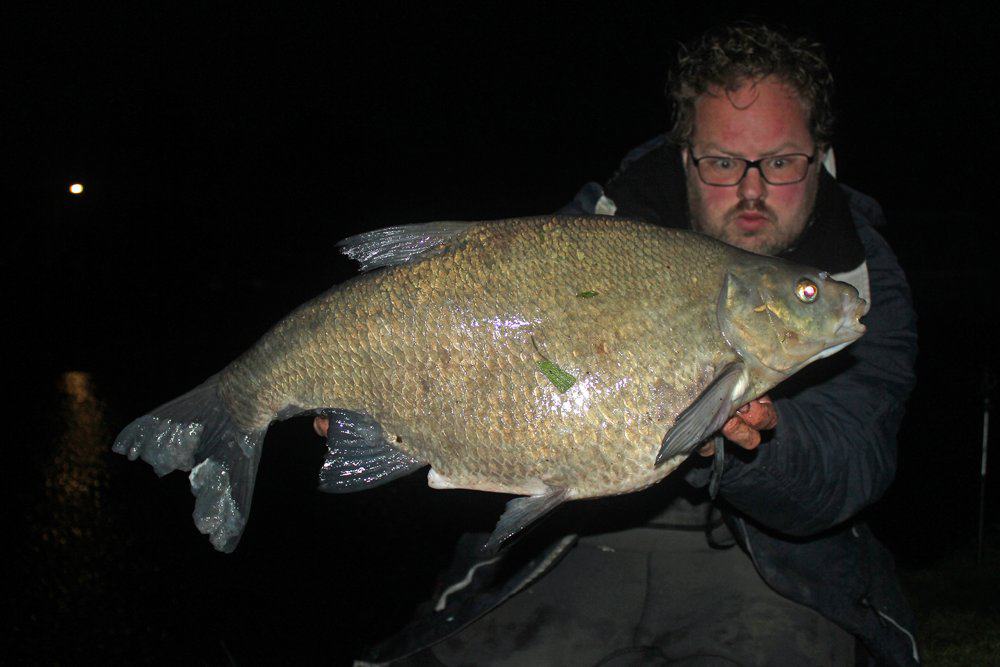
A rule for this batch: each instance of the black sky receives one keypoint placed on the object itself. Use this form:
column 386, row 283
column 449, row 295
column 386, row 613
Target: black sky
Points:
column 301, row 118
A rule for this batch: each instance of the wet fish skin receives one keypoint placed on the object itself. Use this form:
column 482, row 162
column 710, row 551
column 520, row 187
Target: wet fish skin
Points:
column 447, row 351
column 444, row 353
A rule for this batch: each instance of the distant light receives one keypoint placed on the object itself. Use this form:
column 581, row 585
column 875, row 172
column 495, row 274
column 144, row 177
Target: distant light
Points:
column 76, row 189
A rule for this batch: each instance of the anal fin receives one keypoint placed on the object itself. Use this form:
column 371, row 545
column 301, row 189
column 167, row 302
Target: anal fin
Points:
column 360, row 455
column 520, row 513
column 705, row 416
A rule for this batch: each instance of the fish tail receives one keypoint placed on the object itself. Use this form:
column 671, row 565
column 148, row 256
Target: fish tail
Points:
column 196, row 432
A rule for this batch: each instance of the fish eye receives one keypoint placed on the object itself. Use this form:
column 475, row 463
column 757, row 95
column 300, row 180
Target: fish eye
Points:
column 806, row 290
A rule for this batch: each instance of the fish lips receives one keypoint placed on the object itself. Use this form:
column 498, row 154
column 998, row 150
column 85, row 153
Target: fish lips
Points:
column 850, row 326
column 854, row 309
column 849, row 329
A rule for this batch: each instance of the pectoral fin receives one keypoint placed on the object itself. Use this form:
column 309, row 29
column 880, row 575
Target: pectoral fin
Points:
column 704, row 417
column 520, row 513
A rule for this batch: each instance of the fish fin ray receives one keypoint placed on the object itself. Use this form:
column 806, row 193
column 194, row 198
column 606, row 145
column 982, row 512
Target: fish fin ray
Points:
column 359, row 454
column 401, row 244
column 520, row 513
column 195, row 432
column 704, row 417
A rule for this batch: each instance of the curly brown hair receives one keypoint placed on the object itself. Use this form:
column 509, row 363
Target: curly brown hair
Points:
column 731, row 55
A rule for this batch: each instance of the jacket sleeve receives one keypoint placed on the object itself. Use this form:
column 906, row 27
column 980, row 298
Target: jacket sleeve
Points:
column 834, row 449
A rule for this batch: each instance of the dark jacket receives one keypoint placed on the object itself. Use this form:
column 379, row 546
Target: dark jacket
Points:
column 833, row 452
column 790, row 503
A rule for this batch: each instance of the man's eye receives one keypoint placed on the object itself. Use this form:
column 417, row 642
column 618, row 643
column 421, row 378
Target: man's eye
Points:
column 779, row 163
column 721, row 163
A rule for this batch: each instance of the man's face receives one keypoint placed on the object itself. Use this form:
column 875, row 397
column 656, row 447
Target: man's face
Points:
column 758, row 120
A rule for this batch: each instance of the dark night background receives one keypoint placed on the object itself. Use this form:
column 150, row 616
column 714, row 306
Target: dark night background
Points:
column 225, row 150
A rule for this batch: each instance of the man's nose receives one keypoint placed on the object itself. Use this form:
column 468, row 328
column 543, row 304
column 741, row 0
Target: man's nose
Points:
column 753, row 186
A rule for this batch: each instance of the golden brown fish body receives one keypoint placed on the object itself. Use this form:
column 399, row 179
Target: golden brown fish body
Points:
column 444, row 353
column 527, row 356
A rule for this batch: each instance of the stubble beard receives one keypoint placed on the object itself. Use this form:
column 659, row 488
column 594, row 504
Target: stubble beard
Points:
column 773, row 238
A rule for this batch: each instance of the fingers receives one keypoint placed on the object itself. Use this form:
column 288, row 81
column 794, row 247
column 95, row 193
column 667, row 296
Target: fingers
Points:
column 759, row 414
column 744, row 428
column 321, row 425
column 737, row 431
column 741, row 433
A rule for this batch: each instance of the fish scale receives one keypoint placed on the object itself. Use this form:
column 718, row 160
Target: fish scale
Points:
column 445, row 357
column 538, row 290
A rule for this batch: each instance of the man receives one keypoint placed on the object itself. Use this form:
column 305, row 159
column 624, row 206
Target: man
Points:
column 808, row 584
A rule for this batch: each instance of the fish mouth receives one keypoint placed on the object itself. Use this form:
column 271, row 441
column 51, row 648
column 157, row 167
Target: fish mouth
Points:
column 850, row 326
column 849, row 329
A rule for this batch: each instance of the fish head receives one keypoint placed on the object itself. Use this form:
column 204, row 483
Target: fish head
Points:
column 785, row 316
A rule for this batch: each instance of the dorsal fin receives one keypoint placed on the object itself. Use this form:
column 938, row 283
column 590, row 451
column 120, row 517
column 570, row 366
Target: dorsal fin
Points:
column 401, row 244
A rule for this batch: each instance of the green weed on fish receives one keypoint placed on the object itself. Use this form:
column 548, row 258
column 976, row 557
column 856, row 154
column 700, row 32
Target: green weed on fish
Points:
column 557, row 376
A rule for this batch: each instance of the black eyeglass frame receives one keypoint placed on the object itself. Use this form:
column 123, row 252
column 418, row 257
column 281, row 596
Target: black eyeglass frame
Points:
column 750, row 164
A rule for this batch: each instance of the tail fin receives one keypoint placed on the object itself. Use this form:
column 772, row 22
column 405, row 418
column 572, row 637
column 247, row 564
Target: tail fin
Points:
column 196, row 433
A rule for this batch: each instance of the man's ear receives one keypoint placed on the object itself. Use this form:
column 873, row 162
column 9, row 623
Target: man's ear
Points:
column 684, row 159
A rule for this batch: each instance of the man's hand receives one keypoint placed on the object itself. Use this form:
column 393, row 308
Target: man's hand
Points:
column 745, row 426
column 321, row 425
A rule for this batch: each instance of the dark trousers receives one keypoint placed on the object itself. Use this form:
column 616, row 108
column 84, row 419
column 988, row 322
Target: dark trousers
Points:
column 648, row 596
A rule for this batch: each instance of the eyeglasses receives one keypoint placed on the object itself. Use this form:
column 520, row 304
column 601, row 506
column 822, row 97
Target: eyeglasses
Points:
column 776, row 170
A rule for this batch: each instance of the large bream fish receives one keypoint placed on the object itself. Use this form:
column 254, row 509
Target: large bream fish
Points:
column 553, row 358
